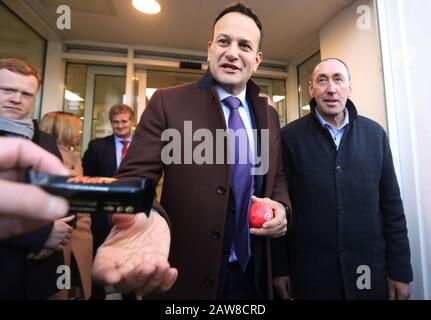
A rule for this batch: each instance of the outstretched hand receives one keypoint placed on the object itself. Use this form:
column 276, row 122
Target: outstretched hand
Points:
column 135, row 254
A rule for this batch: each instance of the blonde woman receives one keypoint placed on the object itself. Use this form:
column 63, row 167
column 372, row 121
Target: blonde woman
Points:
column 66, row 128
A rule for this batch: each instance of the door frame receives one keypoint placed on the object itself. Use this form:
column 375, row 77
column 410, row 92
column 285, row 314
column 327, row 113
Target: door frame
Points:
column 92, row 71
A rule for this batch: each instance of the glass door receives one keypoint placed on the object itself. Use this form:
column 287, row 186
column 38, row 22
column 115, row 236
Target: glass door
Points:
column 90, row 92
column 304, row 74
column 148, row 81
column 275, row 91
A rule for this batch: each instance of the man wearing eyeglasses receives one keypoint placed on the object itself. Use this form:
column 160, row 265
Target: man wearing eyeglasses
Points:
column 102, row 159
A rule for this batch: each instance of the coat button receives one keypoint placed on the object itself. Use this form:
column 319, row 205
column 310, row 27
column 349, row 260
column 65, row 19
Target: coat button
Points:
column 338, row 169
column 215, row 235
column 340, row 210
column 231, row 210
column 209, row 281
column 226, row 253
column 221, row 189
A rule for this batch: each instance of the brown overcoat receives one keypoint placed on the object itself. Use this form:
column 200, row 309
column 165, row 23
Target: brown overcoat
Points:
column 195, row 196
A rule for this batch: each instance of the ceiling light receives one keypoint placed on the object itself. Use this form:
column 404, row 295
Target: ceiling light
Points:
column 70, row 96
column 147, row 6
column 306, row 108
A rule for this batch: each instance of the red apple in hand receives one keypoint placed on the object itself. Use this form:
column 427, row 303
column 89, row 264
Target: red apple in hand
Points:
column 259, row 213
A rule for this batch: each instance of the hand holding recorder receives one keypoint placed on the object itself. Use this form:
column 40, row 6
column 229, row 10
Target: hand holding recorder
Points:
column 25, row 207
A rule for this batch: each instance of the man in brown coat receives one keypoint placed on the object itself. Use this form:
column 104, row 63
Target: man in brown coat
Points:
column 202, row 189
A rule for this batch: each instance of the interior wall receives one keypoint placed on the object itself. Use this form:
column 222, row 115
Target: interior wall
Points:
column 360, row 49
column 53, row 82
column 396, row 99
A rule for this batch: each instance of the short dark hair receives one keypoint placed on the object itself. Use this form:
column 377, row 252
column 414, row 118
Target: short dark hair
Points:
column 245, row 10
column 21, row 67
column 121, row 108
column 327, row 59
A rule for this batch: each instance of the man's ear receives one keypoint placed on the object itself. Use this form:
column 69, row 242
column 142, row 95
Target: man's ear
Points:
column 210, row 43
column 259, row 58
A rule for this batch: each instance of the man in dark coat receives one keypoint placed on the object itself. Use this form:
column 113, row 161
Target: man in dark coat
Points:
column 348, row 237
column 103, row 156
column 102, row 159
column 199, row 197
column 28, row 268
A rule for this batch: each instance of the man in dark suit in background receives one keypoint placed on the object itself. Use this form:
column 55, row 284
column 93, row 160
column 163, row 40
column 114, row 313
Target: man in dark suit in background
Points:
column 102, row 159
column 348, row 237
column 104, row 155
column 206, row 204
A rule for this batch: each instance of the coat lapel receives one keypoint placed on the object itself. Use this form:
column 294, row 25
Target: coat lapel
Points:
column 112, row 155
column 258, row 106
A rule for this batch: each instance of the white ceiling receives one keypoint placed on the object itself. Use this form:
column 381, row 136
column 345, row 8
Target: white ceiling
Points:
column 289, row 25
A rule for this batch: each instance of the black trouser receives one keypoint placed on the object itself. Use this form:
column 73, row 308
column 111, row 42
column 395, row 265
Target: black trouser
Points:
column 237, row 285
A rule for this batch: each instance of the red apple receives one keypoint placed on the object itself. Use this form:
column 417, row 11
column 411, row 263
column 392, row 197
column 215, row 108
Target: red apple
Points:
column 259, row 213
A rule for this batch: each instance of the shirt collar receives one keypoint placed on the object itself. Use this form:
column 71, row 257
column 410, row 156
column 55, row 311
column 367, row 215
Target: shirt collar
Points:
column 326, row 124
column 222, row 94
column 117, row 139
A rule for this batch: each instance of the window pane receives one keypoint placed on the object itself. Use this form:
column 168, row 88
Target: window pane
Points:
column 304, row 72
column 163, row 79
column 108, row 91
column 20, row 41
column 275, row 91
column 90, row 91
column 75, row 88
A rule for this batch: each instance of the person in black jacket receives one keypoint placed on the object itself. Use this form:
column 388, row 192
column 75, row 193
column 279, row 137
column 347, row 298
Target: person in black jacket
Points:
column 103, row 156
column 348, row 236
column 102, row 159
column 28, row 268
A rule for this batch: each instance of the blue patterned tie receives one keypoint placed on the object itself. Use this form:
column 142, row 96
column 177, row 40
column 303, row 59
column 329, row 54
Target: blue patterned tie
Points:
column 241, row 181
